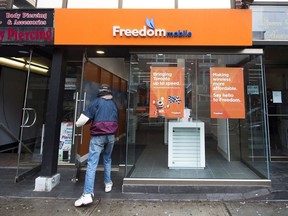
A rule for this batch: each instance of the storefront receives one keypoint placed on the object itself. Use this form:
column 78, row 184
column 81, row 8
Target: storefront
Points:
column 270, row 33
column 189, row 87
column 210, row 140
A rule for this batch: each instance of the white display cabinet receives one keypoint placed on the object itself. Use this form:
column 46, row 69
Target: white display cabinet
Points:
column 186, row 145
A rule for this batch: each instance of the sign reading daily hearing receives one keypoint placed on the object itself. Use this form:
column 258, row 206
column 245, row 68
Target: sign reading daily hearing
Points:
column 26, row 26
column 227, row 93
column 153, row 27
column 166, row 92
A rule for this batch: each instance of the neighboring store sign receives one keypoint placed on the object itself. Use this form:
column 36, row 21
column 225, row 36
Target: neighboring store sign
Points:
column 227, row 93
column 26, row 26
column 270, row 23
column 166, row 92
column 150, row 27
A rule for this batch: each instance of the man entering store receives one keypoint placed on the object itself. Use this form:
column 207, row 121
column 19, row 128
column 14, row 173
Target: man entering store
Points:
column 103, row 114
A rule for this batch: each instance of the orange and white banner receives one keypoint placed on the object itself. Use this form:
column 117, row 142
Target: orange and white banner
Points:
column 166, row 92
column 227, row 93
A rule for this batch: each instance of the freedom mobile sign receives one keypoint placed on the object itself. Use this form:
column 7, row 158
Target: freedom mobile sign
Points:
column 149, row 27
column 227, row 93
column 26, row 26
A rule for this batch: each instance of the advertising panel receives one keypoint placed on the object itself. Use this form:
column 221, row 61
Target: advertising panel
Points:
column 65, row 141
column 166, row 92
column 227, row 93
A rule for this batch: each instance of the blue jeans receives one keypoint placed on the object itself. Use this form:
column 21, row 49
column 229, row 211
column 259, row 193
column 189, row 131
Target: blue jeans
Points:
column 98, row 144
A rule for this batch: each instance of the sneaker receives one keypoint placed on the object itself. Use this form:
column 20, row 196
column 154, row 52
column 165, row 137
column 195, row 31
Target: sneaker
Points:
column 108, row 187
column 85, row 199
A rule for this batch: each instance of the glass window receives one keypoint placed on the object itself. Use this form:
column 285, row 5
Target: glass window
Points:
column 204, row 4
column 92, row 4
column 49, row 4
column 149, row 4
column 172, row 129
column 269, row 23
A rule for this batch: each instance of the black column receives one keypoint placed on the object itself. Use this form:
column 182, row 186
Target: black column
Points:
column 54, row 114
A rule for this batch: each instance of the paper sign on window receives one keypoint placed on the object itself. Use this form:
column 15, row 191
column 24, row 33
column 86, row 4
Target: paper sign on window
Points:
column 277, row 97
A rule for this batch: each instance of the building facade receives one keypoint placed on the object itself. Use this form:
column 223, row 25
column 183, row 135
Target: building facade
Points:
column 190, row 85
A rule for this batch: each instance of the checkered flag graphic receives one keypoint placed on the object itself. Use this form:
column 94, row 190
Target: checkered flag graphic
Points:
column 174, row 99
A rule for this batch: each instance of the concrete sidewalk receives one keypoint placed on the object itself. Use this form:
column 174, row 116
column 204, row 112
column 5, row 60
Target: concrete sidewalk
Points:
column 21, row 199
column 109, row 207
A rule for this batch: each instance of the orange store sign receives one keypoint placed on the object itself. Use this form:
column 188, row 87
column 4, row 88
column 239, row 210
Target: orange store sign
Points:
column 227, row 93
column 206, row 27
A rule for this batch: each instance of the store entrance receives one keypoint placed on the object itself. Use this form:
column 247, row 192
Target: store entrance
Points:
column 277, row 101
column 24, row 76
column 83, row 77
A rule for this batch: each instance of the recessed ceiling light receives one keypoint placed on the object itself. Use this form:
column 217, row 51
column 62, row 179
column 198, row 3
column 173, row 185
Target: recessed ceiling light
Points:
column 23, row 51
column 100, row 52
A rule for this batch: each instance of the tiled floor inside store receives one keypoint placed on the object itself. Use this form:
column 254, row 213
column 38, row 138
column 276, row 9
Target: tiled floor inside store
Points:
column 153, row 161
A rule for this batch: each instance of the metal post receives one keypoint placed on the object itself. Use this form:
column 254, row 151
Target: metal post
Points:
column 54, row 114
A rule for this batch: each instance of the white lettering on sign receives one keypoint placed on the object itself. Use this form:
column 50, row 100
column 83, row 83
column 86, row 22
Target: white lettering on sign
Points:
column 138, row 32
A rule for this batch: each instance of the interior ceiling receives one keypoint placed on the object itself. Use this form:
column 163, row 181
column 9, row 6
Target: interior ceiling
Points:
column 276, row 55
column 273, row 54
column 73, row 53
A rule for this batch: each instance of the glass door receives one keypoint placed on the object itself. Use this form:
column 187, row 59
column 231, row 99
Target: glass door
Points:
column 68, row 134
column 253, row 136
column 92, row 76
column 32, row 126
column 277, row 101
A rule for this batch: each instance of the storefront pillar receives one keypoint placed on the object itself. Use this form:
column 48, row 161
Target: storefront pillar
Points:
column 49, row 177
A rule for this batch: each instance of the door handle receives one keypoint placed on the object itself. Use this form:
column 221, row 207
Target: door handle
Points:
column 84, row 106
column 27, row 111
column 75, row 118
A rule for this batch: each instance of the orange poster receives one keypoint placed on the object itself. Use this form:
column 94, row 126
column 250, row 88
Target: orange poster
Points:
column 166, row 92
column 227, row 93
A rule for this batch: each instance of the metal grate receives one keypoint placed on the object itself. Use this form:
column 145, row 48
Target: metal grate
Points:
column 186, row 148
